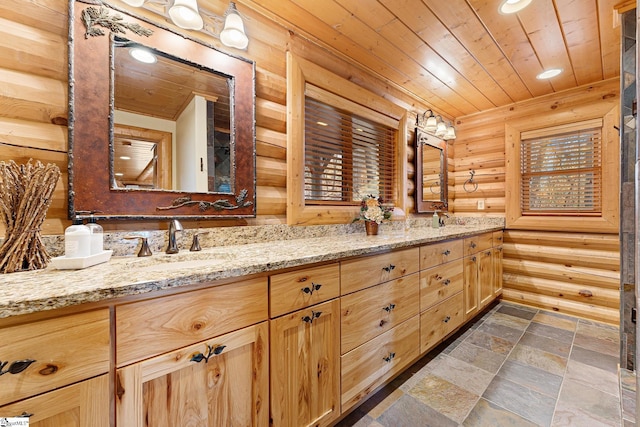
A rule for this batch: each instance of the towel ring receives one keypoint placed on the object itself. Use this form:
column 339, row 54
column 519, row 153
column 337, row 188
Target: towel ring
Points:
column 471, row 182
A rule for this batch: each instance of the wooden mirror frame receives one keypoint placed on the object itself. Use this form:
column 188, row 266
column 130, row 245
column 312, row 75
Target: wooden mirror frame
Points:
column 91, row 122
column 421, row 205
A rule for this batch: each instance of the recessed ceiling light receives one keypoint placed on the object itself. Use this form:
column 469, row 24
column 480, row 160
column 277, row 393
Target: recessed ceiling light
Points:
column 547, row 74
column 322, row 123
column 513, row 6
column 119, row 174
column 125, row 158
column 143, row 55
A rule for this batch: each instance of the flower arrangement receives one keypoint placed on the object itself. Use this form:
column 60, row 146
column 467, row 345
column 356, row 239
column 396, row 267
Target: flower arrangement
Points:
column 372, row 209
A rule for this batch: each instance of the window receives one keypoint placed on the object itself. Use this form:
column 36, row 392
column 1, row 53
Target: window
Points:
column 563, row 177
column 343, row 142
column 562, row 173
column 346, row 156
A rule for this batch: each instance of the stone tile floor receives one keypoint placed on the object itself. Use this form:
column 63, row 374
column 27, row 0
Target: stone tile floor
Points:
column 512, row 366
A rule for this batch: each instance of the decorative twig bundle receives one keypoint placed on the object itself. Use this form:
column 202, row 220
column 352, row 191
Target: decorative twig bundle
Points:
column 25, row 196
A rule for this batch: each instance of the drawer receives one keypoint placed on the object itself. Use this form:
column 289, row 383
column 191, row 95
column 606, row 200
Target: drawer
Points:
column 302, row 288
column 365, row 272
column 478, row 243
column 440, row 320
column 370, row 365
column 148, row 328
column 439, row 253
column 498, row 238
column 441, row 282
column 64, row 350
column 368, row 313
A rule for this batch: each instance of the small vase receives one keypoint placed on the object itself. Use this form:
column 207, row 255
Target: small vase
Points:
column 371, row 227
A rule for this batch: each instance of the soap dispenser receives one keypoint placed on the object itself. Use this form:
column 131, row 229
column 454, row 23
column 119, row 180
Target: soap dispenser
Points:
column 97, row 235
column 436, row 220
column 77, row 239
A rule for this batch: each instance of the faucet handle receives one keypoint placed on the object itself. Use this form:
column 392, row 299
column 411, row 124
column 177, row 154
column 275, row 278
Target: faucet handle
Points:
column 195, row 245
column 144, row 249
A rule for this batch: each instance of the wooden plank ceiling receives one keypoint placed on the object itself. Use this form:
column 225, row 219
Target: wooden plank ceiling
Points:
column 462, row 56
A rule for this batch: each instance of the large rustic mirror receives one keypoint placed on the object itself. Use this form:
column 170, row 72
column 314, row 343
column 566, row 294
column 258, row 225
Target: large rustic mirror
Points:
column 170, row 137
column 431, row 172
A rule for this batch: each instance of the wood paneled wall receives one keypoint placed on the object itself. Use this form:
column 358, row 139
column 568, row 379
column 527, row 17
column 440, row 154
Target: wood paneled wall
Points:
column 33, row 124
column 573, row 273
column 33, row 102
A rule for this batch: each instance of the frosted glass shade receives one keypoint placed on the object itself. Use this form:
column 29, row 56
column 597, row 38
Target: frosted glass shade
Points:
column 184, row 13
column 233, row 33
column 134, row 3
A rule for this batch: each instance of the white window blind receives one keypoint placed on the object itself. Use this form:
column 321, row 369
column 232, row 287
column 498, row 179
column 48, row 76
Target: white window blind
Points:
column 562, row 173
column 346, row 156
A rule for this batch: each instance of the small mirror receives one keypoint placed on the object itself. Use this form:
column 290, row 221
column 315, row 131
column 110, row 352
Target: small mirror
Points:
column 170, row 137
column 431, row 172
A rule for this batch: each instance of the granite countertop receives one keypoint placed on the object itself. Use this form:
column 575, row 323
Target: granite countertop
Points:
column 47, row 289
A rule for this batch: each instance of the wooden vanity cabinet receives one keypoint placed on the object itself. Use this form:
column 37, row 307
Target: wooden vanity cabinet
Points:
column 497, row 263
column 82, row 404
column 305, row 347
column 195, row 358
column 61, row 361
column 478, row 273
column 441, row 292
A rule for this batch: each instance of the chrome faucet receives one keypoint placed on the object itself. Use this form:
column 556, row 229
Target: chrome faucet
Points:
column 174, row 226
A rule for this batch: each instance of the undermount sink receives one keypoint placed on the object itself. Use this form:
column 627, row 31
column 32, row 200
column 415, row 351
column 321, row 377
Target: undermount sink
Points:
column 186, row 260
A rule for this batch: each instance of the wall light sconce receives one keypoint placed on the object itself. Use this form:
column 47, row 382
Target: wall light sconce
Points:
column 184, row 13
column 229, row 28
column 435, row 126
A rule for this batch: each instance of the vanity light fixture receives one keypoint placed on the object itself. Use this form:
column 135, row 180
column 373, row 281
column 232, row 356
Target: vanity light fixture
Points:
column 550, row 73
column 233, row 34
column 508, row 7
column 143, row 55
column 184, row 13
column 435, row 126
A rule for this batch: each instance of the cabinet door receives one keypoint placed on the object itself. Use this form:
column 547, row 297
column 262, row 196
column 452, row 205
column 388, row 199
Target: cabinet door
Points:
column 305, row 366
column 220, row 382
column 470, row 286
column 497, row 271
column 485, row 276
column 85, row 404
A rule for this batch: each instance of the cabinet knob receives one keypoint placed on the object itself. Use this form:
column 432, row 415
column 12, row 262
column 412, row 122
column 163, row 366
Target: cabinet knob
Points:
column 389, row 358
column 389, row 268
column 310, row 319
column 212, row 350
column 389, row 308
column 473, row 245
column 446, row 282
column 310, row 289
column 473, row 259
column 15, row 367
column 447, row 252
column 446, row 319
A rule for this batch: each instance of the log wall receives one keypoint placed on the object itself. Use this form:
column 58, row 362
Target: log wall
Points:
column 572, row 273
column 33, row 124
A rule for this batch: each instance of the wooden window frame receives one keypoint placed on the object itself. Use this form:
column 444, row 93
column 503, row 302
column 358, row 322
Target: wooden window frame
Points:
column 607, row 222
column 300, row 72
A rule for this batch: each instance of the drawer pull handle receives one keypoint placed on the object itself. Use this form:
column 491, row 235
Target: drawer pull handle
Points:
column 447, row 252
column 389, row 308
column 389, row 268
column 314, row 315
column 389, row 358
column 473, row 245
column 212, row 350
column 488, row 253
column 446, row 282
column 437, row 277
column 310, row 289
column 16, row 367
column 446, row 319
column 24, row 414
column 473, row 259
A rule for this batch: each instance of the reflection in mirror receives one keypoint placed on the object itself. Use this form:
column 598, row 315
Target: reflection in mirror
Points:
column 431, row 172
column 174, row 107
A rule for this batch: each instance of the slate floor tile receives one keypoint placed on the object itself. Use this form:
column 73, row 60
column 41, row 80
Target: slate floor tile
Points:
column 531, row 377
column 578, row 402
column 479, row 357
column 552, row 332
column 549, row 345
column 540, row 359
column 594, row 358
column 487, row 414
column 527, row 403
column 445, row 397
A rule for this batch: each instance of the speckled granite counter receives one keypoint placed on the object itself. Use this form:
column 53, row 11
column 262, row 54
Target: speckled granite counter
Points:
column 29, row 292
